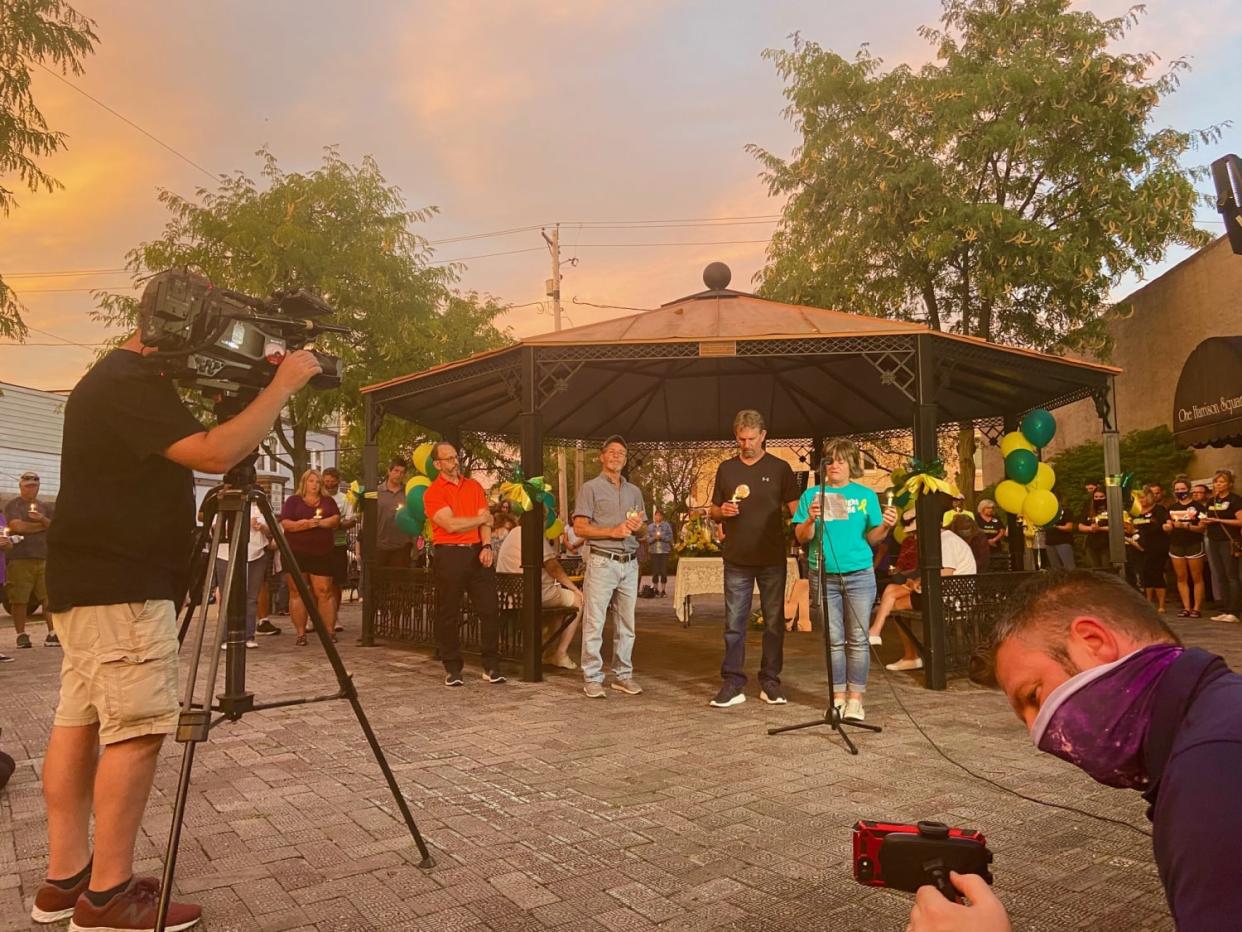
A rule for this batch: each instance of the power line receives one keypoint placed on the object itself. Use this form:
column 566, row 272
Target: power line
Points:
column 185, row 158
column 63, row 273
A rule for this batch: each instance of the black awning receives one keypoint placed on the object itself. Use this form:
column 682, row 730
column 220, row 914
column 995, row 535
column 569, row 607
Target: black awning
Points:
column 1207, row 409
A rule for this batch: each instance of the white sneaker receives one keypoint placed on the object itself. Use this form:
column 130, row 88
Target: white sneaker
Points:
column 854, row 710
column 839, row 704
column 875, row 639
column 252, row 643
column 1229, row 617
column 903, row 664
column 1220, row 617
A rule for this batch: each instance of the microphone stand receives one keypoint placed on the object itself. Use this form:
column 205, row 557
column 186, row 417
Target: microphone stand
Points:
column 832, row 715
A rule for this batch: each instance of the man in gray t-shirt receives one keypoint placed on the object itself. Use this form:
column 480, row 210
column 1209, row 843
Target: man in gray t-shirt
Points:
column 30, row 518
column 609, row 516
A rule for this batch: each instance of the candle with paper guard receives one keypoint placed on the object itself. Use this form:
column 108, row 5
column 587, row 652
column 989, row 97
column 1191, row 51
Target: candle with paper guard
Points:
column 318, row 512
column 741, row 492
column 888, row 499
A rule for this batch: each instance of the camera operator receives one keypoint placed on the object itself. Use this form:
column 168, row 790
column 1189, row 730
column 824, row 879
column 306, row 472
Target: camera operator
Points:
column 1100, row 680
column 118, row 561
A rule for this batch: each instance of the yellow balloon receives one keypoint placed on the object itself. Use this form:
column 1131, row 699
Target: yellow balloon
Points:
column 415, row 481
column 1011, row 496
column 555, row 530
column 1014, row 441
column 899, row 532
column 1136, row 506
column 1045, row 479
column 421, row 457
column 1040, row 507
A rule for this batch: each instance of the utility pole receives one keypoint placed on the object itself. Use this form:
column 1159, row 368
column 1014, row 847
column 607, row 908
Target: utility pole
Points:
column 554, row 292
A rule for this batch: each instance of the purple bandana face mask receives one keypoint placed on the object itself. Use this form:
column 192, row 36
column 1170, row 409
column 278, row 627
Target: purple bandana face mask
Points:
column 1097, row 720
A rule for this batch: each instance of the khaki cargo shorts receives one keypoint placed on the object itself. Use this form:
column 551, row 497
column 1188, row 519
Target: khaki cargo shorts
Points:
column 119, row 669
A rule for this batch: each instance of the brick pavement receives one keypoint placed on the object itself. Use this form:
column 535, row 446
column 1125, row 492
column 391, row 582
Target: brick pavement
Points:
column 550, row 811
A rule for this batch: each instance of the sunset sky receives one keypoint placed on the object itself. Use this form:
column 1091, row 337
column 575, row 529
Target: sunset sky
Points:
column 501, row 114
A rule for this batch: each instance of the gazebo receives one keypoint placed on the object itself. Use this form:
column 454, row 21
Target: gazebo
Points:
column 678, row 374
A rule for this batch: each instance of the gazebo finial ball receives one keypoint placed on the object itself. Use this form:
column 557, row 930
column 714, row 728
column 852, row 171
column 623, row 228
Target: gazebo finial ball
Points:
column 717, row 276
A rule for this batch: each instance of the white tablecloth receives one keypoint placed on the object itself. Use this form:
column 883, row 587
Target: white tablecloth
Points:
column 705, row 576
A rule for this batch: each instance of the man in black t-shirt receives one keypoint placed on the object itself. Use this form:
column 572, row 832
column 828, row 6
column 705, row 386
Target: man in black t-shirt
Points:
column 753, row 492
column 118, row 562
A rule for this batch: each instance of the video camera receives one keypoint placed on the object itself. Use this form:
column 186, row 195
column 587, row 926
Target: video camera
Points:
column 906, row 857
column 226, row 342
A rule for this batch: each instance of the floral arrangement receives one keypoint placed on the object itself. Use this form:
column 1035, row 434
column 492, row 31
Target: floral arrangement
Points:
column 696, row 540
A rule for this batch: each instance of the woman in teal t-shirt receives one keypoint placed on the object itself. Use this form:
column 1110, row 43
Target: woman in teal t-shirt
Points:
column 853, row 522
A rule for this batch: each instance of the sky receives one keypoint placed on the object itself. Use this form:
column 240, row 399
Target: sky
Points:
column 500, row 114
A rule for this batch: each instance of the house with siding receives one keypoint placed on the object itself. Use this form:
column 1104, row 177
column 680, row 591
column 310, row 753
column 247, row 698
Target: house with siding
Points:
column 32, row 422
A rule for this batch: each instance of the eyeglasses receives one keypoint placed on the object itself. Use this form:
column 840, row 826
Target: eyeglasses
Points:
column 446, row 459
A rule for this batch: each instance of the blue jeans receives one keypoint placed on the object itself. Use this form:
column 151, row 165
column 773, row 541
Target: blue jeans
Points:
column 739, row 587
column 256, row 572
column 1061, row 556
column 852, row 595
column 609, row 593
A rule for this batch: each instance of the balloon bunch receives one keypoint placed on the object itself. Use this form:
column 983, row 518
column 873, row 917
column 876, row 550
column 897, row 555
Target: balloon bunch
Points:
column 1027, row 490
column 412, row 518
column 522, row 493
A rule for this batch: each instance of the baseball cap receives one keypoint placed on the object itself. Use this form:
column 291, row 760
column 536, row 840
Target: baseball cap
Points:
column 29, row 476
column 615, row 438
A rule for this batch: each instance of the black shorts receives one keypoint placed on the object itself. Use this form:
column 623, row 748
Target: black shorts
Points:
column 1187, row 549
column 340, row 566
column 317, row 564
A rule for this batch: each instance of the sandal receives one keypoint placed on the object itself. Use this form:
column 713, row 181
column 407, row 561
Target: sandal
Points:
column 1193, row 614
column 301, row 641
column 1184, row 613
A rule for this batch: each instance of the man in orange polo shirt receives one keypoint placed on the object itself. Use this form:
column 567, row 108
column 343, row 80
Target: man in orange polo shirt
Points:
column 462, row 562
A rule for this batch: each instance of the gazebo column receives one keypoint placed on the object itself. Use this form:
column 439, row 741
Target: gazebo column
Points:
column 532, row 522
column 370, row 477
column 1013, row 527
column 1106, row 407
column 929, row 512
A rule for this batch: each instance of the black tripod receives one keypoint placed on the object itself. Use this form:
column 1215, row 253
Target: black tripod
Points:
column 227, row 510
column 832, row 715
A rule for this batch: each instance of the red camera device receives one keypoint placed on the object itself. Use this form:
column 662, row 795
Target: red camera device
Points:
column 906, row 857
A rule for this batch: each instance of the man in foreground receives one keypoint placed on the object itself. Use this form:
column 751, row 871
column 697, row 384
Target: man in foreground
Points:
column 753, row 494
column 608, row 515
column 118, row 565
column 1100, row 680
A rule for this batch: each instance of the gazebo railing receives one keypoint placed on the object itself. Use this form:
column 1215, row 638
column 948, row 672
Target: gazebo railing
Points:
column 405, row 610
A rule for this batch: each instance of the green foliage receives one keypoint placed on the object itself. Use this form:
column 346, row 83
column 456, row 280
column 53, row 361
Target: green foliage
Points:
column 32, row 33
column 1151, row 455
column 343, row 232
column 1000, row 191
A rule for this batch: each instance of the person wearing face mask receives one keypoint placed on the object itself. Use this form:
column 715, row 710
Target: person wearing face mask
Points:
column 1186, row 547
column 1223, row 523
column 1153, row 540
column 1094, row 526
column 1101, row 682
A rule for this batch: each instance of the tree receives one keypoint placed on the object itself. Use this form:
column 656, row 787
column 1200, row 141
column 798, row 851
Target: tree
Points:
column 1001, row 191
column 340, row 231
column 668, row 478
column 32, row 33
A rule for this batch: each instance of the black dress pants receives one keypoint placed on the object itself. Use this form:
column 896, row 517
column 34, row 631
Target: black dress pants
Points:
column 457, row 572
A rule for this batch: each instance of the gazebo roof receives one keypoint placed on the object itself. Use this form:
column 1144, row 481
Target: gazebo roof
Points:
column 680, row 372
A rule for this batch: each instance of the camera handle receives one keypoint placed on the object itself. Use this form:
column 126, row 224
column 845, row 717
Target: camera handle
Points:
column 231, row 503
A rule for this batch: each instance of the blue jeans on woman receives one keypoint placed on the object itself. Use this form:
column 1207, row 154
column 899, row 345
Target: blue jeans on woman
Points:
column 850, row 600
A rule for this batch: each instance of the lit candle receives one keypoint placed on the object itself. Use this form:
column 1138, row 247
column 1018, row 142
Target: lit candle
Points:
column 34, row 508
column 888, row 499
column 318, row 512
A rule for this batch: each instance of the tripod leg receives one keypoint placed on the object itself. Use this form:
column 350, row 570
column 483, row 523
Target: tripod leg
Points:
column 174, row 836
column 343, row 677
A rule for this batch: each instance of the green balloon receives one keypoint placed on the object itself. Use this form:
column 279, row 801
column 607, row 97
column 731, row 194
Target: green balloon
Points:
column 1021, row 466
column 411, row 520
column 1039, row 427
column 414, row 498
